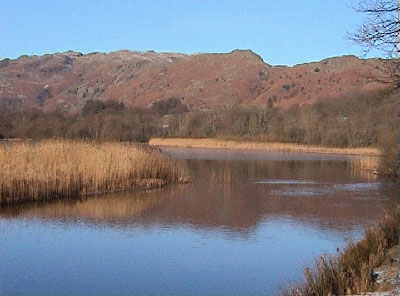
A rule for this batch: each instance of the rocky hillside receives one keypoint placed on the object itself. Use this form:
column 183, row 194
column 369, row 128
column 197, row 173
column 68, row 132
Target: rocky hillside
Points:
column 65, row 81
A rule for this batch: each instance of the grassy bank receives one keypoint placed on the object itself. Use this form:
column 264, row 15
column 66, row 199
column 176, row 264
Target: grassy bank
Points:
column 351, row 271
column 232, row 144
column 62, row 169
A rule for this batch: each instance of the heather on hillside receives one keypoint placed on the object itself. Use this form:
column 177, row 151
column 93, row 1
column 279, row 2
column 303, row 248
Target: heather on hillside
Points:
column 65, row 81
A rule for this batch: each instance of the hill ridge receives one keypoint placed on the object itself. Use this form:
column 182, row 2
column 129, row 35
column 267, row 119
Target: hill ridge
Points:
column 67, row 80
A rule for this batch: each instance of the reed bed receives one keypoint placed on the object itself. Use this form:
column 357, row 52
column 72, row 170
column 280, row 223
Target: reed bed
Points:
column 351, row 272
column 68, row 169
column 233, row 144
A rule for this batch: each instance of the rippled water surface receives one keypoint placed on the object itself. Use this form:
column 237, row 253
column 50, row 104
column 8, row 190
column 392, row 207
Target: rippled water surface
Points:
column 247, row 224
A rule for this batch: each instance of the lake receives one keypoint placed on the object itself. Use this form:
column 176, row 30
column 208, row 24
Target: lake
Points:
column 248, row 223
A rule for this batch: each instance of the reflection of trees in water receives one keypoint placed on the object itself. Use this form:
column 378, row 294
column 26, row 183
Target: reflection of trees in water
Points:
column 223, row 194
column 255, row 170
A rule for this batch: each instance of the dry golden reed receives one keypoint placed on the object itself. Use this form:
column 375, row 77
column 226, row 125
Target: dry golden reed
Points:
column 233, row 144
column 58, row 169
column 351, row 272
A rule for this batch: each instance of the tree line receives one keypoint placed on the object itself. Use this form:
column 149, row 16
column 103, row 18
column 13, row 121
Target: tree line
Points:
column 351, row 121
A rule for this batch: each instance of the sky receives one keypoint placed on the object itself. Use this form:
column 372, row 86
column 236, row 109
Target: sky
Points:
column 282, row 32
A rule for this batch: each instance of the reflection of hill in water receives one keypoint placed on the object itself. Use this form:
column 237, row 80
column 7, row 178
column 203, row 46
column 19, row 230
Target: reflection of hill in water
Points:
column 224, row 193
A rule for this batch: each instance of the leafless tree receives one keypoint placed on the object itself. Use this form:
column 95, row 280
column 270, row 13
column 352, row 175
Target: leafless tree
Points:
column 380, row 30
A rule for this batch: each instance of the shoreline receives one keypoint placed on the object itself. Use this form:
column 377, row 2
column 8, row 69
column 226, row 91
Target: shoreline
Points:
column 366, row 267
column 211, row 143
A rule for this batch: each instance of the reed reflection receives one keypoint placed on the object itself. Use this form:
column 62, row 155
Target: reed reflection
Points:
column 237, row 195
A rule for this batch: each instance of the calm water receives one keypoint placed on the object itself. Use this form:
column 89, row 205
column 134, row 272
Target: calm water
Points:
column 247, row 224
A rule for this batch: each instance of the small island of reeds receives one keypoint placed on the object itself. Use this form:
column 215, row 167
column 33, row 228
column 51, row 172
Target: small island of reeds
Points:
column 52, row 169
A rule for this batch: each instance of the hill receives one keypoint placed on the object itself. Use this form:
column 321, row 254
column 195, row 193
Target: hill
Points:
column 66, row 81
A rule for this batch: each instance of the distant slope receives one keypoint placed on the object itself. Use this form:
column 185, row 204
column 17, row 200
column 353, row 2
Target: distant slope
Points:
column 65, row 81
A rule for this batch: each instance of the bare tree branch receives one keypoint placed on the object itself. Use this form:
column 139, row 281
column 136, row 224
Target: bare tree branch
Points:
column 380, row 30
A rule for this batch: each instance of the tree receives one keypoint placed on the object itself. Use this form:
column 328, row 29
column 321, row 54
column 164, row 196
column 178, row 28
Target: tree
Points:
column 380, row 30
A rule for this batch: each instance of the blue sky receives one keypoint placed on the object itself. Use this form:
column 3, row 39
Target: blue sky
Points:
column 281, row 32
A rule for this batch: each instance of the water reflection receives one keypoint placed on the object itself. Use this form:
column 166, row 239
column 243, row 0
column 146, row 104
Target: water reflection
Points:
column 236, row 195
column 246, row 225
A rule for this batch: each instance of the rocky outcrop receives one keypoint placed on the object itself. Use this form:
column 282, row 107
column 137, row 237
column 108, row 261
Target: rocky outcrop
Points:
column 67, row 80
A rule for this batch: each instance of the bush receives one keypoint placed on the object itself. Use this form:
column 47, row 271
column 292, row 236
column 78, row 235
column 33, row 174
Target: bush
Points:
column 93, row 107
column 171, row 106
